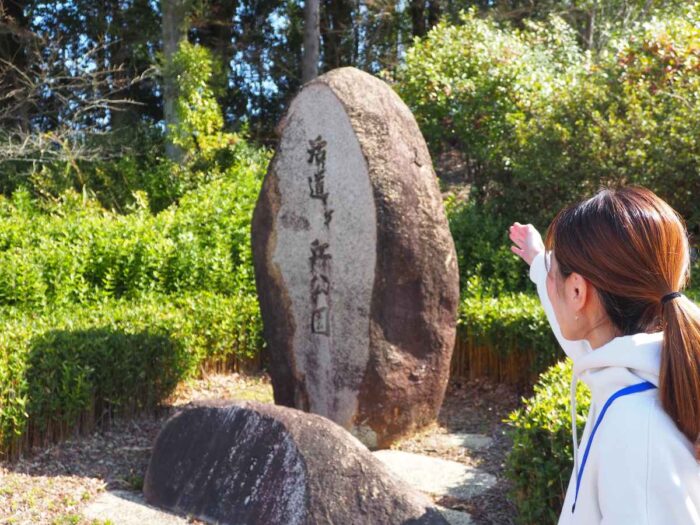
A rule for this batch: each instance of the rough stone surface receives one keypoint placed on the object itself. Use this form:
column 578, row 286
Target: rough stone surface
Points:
column 455, row 517
column 436, row 476
column 128, row 508
column 446, row 442
column 252, row 463
column 354, row 262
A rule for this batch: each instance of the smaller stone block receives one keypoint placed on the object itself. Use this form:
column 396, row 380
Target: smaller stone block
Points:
column 258, row 464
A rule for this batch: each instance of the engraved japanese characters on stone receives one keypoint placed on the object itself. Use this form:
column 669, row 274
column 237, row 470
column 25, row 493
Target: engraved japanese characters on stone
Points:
column 317, row 157
column 320, row 260
column 327, row 216
column 320, row 287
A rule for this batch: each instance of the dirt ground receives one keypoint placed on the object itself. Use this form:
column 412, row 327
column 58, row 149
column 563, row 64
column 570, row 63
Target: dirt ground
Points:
column 53, row 485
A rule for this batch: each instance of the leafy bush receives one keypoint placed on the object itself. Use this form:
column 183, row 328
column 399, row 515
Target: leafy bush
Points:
column 486, row 264
column 74, row 251
column 543, row 124
column 199, row 117
column 21, row 282
column 100, row 370
column 540, row 462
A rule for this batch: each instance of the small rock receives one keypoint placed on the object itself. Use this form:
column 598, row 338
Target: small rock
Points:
column 455, row 517
column 436, row 476
column 444, row 442
column 128, row 508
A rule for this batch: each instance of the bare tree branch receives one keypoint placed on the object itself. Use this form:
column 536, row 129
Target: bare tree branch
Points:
column 69, row 101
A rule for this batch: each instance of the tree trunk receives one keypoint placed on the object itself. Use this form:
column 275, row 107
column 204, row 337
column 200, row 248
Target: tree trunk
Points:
column 123, row 117
column 312, row 36
column 590, row 37
column 215, row 32
column 174, row 32
column 434, row 12
column 417, row 10
column 14, row 39
column 337, row 32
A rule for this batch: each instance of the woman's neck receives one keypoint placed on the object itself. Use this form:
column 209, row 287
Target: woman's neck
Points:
column 601, row 334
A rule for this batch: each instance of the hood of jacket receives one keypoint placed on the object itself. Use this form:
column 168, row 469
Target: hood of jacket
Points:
column 621, row 362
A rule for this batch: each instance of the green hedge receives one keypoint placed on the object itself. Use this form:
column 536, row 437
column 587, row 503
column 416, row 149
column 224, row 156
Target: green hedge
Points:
column 486, row 264
column 511, row 323
column 115, row 357
column 104, row 313
column 540, row 462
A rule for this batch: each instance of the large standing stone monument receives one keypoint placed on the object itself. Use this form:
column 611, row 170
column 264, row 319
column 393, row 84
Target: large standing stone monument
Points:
column 354, row 262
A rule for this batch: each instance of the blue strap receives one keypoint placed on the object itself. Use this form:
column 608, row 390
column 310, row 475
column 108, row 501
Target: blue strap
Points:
column 633, row 389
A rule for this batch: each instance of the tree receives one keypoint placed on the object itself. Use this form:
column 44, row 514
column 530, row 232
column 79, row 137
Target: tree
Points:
column 14, row 39
column 266, row 72
column 131, row 32
column 212, row 25
column 425, row 14
column 339, row 33
column 595, row 21
column 121, row 36
column 67, row 103
column 417, row 10
column 174, row 33
column 309, row 69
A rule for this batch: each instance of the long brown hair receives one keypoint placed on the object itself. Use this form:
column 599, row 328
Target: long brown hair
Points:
column 633, row 248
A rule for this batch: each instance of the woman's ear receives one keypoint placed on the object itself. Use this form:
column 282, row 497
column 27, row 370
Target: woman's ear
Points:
column 577, row 292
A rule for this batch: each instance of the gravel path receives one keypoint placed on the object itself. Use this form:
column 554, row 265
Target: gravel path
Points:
column 55, row 485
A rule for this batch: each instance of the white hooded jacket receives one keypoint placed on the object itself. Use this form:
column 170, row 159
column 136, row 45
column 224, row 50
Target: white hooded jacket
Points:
column 641, row 469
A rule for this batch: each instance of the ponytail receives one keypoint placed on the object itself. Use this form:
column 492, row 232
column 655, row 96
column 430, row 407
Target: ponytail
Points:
column 679, row 378
column 633, row 247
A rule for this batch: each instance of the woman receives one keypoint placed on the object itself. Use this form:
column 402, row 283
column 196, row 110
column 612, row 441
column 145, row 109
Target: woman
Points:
column 609, row 276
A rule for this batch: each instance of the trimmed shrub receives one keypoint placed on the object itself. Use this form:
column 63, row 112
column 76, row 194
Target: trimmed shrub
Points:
column 513, row 329
column 70, row 368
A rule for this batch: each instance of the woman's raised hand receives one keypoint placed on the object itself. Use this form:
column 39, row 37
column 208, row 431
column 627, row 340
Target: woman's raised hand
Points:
column 527, row 240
